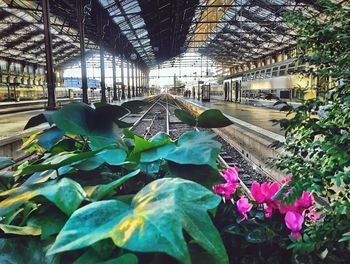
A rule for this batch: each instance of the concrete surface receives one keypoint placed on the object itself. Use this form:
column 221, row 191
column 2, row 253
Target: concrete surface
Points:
column 258, row 116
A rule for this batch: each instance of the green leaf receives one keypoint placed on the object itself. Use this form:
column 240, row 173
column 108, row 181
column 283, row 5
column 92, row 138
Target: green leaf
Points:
column 49, row 137
column 185, row 117
column 55, row 162
column 213, row 118
column 99, row 192
column 196, row 148
column 135, row 106
column 21, row 230
column 203, row 174
column 113, row 156
column 154, row 222
column 75, row 118
column 256, row 236
column 66, row 194
column 35, row 121
column 50, row 222
column 26, row 250
column 5, row 162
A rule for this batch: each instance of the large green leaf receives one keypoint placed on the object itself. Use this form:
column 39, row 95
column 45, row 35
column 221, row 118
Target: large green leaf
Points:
column 213, row 118
column 66, row 194
column 135, row 106
column 154, row 221
column 49, row 137
column 185, row 117
column 35, row 121
column 197, row 148
column 75, row 118
column 5, row 162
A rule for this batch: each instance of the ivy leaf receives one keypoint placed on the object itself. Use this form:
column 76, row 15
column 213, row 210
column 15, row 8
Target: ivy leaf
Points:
column 24, row 250
column 135, row 106
column 49, row 137
column 213, row 118
column 196, row 148
column 66, row 194
column 35, row 121
column 185, row 117
column 74, row 118
column 152, row 223
column 21, row 230
column 5, row 162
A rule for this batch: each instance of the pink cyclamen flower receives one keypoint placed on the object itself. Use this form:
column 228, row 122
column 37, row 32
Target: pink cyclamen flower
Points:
column 313, row 215
column 287, row 179
column 305, row 201
column 264, row 192
column 256, row 192
column 228, row 188
column 243, row 206
column 231, row 174
column 294, row 221
column 225, row 189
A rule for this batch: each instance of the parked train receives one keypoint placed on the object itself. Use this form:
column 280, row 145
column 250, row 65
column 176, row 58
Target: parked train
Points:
column 277, row 80
column 24, row 93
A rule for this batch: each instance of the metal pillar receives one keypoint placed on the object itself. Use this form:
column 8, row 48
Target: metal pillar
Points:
column 102, row 67
column 115, row 98
column 84, row 82
column 122, row 75
column 128, row 72
column 136, row 81
column 102, row 58
column 133, row 79
column 51, row 102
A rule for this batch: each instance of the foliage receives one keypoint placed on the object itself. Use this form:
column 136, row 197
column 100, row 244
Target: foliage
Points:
column 98, row 193
column 211, row 118
column 317, row 146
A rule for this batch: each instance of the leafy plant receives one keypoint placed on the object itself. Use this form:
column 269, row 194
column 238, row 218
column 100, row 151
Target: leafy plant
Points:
column 317, row 145
column 98, row 193
column 211, row 118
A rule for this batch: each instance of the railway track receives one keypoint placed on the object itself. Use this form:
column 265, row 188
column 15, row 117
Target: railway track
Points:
column 160, row 117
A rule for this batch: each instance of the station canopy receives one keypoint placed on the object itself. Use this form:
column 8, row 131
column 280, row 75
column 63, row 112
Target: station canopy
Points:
column 152, row 31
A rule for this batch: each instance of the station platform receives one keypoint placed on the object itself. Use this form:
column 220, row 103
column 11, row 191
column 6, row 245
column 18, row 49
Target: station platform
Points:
column 256, row 115
column 12, row 124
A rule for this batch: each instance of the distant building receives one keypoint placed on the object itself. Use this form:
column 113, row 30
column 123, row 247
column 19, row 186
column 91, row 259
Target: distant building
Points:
column 76, row 82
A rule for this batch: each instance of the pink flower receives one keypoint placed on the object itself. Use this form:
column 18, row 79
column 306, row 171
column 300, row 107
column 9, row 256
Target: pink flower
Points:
column 294, row 222
column 264, row 192
column 231, row 174
column 313, row 215
column 305, row 201
column 228, row 188
column 243, row 206
column 256, row 193
column 287, row 179
column 225, row 189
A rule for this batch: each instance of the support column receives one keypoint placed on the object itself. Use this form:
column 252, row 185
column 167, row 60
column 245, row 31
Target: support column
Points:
column 128, row 72
column 132, row 79
column 122, row 75
column 136, row 81
column 102, row 67
column 114, row 76
column 51, row 101
column 102, row 58
column 84, row 82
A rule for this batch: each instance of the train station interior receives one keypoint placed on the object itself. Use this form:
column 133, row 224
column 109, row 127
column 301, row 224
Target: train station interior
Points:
column 174, row 131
